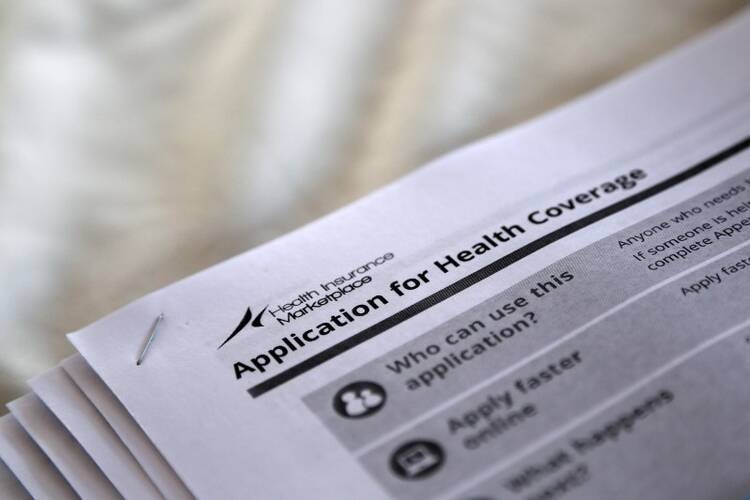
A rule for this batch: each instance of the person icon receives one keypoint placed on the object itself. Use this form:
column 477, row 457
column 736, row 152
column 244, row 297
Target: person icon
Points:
column 357, row 404
column 359, row 399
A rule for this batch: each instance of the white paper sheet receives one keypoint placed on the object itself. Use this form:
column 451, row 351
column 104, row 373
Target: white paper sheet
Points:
column 29, row 463
column 126, row 428
column 32, row 465
column 10, row 486
column 60, row 446
column 265, row 367
column 63, row 397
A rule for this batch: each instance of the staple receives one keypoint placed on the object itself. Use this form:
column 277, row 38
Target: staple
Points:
column 150, row 339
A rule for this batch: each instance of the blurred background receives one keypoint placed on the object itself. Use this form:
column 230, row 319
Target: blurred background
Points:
column 143, row 140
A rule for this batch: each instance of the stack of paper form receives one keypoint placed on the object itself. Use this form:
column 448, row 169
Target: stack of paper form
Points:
column 560, row 311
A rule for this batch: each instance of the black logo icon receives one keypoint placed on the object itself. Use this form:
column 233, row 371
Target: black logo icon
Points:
column 417, row 459
column 243, row 323
column 359, row 399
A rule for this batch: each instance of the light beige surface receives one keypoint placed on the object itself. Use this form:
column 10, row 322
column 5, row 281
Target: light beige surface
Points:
column 142, row 141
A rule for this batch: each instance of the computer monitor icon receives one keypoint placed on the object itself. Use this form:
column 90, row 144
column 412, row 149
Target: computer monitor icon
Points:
column 417, row 459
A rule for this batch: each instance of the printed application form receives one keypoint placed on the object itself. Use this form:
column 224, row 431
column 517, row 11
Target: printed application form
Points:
column 559, row 311
column 126, row 428
column 81, row 418
column 28, row 463
column 63, row 450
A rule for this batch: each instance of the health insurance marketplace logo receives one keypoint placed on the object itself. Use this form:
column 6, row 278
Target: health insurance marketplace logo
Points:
column 310, row 300
column 256, row 323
